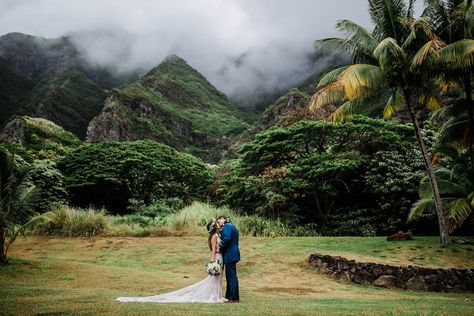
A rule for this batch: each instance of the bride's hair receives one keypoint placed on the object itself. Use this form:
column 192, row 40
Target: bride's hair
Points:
column 212, row 229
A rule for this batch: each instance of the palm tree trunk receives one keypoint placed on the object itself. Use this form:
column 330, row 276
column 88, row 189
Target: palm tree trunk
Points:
column 443, row 229
column 3, row 255
column 470, row 105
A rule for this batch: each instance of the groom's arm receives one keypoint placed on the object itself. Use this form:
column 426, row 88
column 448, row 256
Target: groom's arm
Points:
column 225, row 238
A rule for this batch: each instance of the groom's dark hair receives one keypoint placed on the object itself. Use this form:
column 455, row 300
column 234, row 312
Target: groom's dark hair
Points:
column 222, row 216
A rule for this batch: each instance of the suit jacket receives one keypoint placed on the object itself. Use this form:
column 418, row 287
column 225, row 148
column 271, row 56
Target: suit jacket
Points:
column 229, row 245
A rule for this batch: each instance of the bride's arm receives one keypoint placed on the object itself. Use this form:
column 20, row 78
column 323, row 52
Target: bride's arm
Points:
column 214, row 247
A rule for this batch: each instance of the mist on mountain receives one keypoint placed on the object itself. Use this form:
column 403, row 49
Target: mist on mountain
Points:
column 245, row 48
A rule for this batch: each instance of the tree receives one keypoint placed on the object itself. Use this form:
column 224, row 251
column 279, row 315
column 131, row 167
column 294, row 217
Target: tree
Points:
column 456, row 188
column 323, row 173
column 16, row 197
column 453, row 22
column 388, row 79
column 114, row 174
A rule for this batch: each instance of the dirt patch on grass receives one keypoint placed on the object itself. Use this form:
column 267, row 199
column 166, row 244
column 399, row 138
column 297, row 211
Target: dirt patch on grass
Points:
column 290, row 290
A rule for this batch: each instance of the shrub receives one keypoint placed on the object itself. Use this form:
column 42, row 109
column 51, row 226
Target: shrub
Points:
column 112, row 174
column 69, row 222
column 191, row 220
column 44, row 175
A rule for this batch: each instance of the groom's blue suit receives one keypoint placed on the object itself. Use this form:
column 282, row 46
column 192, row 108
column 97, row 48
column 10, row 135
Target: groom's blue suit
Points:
column 229, row 248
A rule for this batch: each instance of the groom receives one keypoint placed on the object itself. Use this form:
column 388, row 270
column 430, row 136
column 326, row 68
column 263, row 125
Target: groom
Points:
column 229, row 247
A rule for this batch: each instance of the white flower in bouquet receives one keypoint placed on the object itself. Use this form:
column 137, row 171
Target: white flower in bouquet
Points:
column 213, row 268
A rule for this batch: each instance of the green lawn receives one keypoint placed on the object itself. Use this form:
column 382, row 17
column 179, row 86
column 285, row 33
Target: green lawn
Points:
column 85, row 275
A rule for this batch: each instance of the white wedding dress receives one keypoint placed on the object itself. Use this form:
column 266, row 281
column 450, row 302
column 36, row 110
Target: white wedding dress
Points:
column 208, row 290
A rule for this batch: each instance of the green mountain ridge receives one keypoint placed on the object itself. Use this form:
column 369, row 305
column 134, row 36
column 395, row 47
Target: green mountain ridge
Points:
column 13, row 91
column 173, row 104
column 50, row 78
column 293, row 106
column 36, row 138
column 66, row 97
column 30, row 56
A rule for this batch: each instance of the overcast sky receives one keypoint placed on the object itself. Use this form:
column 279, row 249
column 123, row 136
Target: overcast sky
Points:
column 271, row 39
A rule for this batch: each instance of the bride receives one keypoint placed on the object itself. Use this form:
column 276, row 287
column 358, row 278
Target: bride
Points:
column 208, row 290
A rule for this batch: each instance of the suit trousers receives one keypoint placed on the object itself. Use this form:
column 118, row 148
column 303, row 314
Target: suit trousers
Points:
column 232, row 291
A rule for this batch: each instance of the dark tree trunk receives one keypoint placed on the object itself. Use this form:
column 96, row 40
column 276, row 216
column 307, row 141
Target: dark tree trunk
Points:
column 443, row 229
column 470, row 105
column 3, row 250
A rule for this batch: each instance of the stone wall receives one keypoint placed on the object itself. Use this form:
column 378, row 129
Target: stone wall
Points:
column 394, row 277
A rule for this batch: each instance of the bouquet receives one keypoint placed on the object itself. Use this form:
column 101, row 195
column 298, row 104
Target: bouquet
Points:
column 213, row 268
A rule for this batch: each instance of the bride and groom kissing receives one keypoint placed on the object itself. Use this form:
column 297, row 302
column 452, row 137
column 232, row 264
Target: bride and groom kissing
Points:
column 224, row 245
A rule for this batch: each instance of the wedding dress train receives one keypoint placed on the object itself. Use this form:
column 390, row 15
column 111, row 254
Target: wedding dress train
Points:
column 208, row 290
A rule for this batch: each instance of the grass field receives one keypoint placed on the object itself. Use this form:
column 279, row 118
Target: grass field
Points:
column 84, row 276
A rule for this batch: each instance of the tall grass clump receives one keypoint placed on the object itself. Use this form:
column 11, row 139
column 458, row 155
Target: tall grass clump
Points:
column 194, row 218
column 71, row 222
column 190, row 220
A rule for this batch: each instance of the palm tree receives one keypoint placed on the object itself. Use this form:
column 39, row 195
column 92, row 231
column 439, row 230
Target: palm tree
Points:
column 456, row 63
column 456, row 189
column 387, row 78
column 16, row 196
column 453, row 22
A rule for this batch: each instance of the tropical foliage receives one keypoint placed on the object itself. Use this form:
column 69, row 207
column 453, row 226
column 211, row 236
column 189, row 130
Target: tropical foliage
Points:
column 111, row 174
column 36, row 138
column 44, row 175
column 16, row 197
column 388, row 72
column 321, row 173
column 456, row 188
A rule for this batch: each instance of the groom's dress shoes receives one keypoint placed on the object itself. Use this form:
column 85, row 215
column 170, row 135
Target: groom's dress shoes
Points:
column 231, row 301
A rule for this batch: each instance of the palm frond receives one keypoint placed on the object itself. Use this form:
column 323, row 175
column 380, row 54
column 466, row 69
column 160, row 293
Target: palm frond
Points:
column 354, row 82
column 22, row 205
column 362, row 81
column 386, row 17
column 430, row 100
column 331, row 76
column 447, row 150
column 420, row 32
column 448, row 81
column 444, row 187
column 426, row 50
column 437, row 12
column 331, row 93
column 459, row 210
column 390, row 55
column 458, row 55
column 410, row 9
column 331, row 44
column 456, row 129
column 347, row 110
column 421, row 208
column 357, row 34
column 395, row 103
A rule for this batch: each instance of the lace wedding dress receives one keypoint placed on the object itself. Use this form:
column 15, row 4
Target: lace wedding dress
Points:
column 208, row 290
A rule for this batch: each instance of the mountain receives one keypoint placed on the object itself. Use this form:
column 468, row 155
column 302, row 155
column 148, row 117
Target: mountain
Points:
column 30, row 56
column 293, row 106
column 173, row 104
column 13, row 91
column 66, row 97
column 36, row 133
column 51, row 78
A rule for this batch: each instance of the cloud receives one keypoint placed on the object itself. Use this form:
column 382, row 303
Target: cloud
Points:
column 239, row 45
